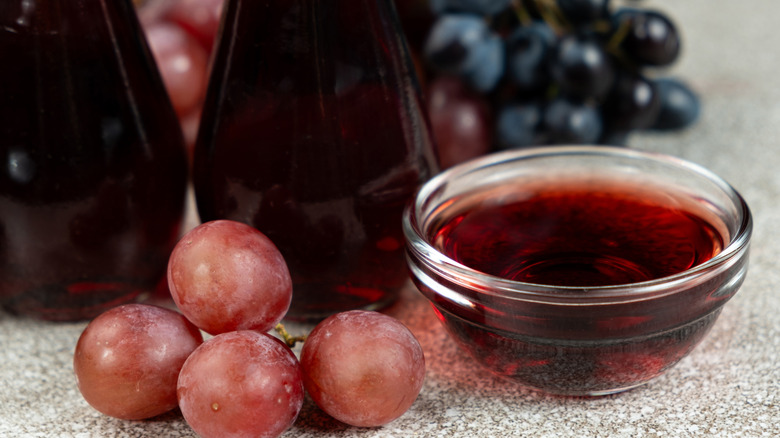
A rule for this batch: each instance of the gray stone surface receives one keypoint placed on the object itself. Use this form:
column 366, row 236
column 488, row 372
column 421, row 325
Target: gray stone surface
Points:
column 729, row 386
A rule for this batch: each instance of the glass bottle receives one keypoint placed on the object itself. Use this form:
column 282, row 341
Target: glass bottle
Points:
column 94, row 170
column 313, row 131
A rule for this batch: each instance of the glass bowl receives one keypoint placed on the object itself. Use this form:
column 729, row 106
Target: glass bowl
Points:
column 599, row 311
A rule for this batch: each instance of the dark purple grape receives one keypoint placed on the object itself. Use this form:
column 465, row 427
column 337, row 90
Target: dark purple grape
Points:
column 519, row 125
column 633, row 103
column 651, row 38
column 463, row 45
column 489, row 66
column 612, row 137
column 680, row 106
column 582, row 12
column 528, row 50
column 480, row 7
column 532, row 8
column 582, row 68
column 452, row 44
column 568, row 121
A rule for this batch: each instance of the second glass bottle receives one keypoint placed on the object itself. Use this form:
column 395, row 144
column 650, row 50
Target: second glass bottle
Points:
column 313, row 132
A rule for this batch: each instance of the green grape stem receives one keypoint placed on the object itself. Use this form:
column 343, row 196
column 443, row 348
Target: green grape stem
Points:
column 522, row 15
column 552, row 15
column 554, row 18
column 548, row 9
column 288, row 339
column 613, row 46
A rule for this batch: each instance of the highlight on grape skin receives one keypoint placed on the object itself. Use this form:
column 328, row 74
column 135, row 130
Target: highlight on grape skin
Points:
column 225, row 275
column 182, row 63
column 460, row 119
column 363, row 368
column 127, row 360
column 241, row 384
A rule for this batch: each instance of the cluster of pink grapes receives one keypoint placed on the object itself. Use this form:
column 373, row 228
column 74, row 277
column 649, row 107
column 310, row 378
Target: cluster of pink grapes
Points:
column 229, row 280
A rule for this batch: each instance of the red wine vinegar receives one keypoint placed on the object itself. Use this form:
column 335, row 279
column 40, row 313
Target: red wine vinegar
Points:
column 578, row 235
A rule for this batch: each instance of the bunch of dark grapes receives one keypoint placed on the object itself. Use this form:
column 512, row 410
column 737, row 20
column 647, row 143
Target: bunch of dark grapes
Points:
column 558, row 71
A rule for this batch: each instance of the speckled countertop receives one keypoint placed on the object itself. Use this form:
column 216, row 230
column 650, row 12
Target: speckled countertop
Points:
column 729, row 386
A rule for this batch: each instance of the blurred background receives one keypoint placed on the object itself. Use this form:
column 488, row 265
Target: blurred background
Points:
column 496, row 74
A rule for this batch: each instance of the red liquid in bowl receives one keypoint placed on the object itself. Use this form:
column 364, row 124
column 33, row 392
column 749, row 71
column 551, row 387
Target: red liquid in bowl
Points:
column 579, row 237
column 585, row 235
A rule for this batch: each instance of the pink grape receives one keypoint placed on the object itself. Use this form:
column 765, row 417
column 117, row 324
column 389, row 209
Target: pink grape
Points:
column 198, row 17
column 127, row 360
column 183, row 64
column 362, row 368
column 151, row 11
column 190, row 124
column 241, row 384
column 460, row 120
column 225, row 275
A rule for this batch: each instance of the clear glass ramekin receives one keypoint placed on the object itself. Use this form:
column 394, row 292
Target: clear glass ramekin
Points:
column 578, row 340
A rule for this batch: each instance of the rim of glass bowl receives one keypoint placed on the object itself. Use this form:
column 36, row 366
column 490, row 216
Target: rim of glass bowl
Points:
column 455, row 272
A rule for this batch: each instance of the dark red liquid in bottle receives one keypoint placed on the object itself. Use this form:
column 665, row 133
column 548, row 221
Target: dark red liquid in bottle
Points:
column 94, row 170
column 578, row 236
column 581, row 234
column 313, row 133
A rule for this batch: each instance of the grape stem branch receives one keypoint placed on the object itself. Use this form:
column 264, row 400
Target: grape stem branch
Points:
column 288, row 339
